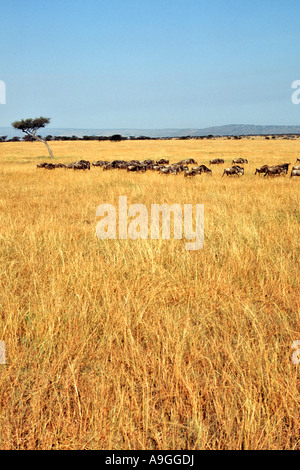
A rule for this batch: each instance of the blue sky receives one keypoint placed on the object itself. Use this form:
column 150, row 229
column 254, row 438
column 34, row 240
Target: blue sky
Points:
column 150, row 63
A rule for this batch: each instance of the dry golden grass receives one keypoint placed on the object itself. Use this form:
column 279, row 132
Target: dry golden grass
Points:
column 123, row 344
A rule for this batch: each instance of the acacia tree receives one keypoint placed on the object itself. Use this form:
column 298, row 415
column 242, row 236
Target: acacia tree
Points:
column 31, row 126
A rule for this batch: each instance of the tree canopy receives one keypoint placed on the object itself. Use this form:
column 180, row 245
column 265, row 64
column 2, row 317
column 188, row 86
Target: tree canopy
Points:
column 31, row 126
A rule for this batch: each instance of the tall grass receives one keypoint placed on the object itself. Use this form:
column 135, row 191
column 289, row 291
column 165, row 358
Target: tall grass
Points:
column 123, row 344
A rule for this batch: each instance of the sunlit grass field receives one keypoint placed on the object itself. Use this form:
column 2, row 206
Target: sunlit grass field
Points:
column 141, row 344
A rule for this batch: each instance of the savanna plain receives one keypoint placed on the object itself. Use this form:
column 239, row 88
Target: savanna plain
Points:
column 141, row 344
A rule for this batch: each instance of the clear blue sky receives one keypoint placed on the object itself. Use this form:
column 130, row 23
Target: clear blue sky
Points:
column 150, row 63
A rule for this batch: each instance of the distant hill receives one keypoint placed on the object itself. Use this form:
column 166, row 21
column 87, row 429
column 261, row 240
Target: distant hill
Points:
column 227, row 130
column 247, row 129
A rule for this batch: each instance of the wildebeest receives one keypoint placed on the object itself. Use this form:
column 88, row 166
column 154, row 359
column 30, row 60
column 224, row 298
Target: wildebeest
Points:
column 157, row 167
column 284, row 166
column 118, row 163
column 239, row 169
column 201, row 169
column 137, row 167
column 60, row 165
column 165, row 171
column 204, row 169
column 86, row 163
column 234, row 170
column 188, row 161
column 298, row 160
column 42, row 165
column 274, row 171
column 122, row 165
column 176, row 167
column 197, row 170
column 240, row 160
column 192, row 172
column 134, row 162
column 261, row 169
column 148, row 162
column 50, row 166
column 162, row 161
column 281, row 169
column 216, row 161
column 47, row 166
column 132, row 168
column 80, row 165
column 100, row 163
column 295, row 172
column 170, row 169
column 277, row 170
column 108, row 166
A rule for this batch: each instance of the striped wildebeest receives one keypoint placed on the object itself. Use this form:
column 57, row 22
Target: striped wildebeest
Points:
column 107, row 166
column 118, row 163
column 234, row 170
column 47, row 166
column 178, row 167
column 240, row 161
column 100, row 163
column 80, row 165
column 148, row 162
column 204, row 169
column 298, row 160
column 216, row 161
column 285, row 167
column 162, row 161
column 295, row 172
column 277, row 170
column 136, row 167
column 169, row 169
column 261, row 169
column 173, row 169
column 157, row 167
column 122, row 166
column 42, row 165
column 198, row 170
column 188, row 161
column 166, row 170
column 60, row 165
column 51, row 166
column 201, row 169
column 192, row 172
column 132, row 168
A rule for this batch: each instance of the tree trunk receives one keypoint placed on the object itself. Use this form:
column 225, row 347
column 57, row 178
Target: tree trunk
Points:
column 45, row 142
column 49, row 149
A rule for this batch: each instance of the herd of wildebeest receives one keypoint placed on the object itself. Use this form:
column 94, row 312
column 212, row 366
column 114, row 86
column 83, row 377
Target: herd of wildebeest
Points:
column 163, row 167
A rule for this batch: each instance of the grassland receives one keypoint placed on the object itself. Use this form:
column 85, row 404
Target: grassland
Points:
column 123, row 344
